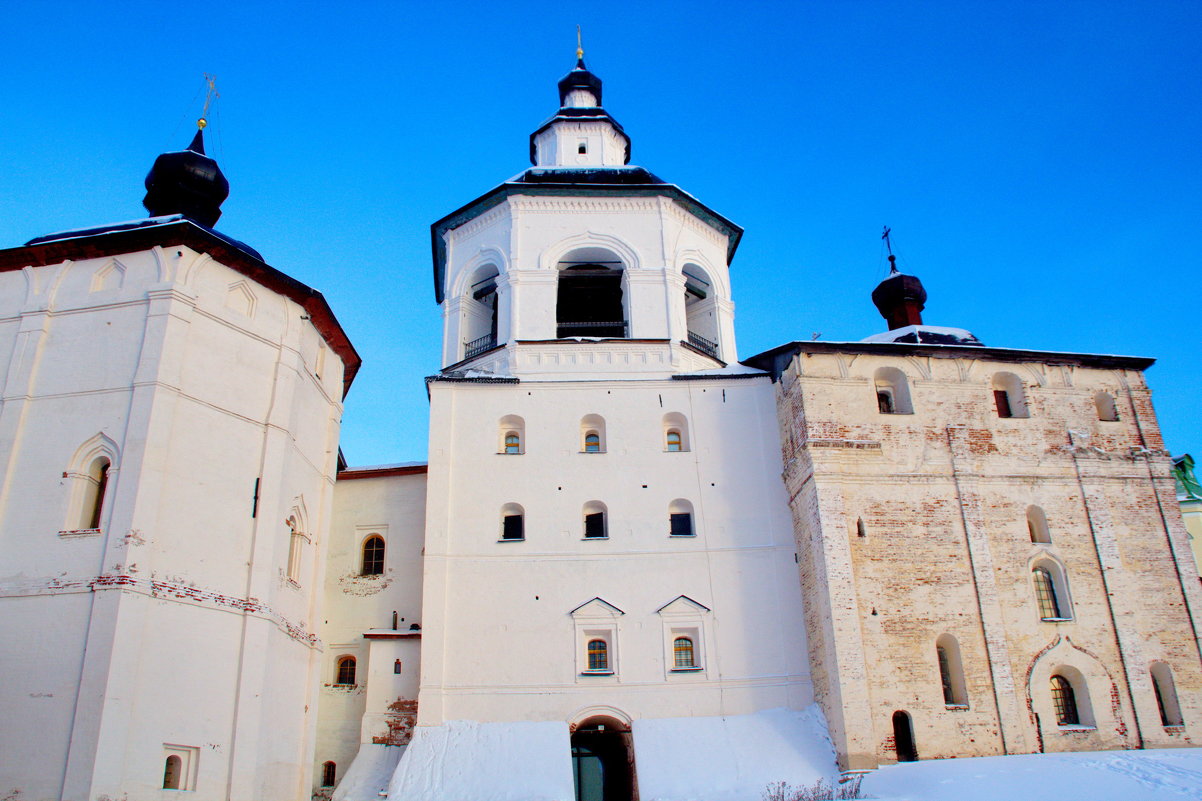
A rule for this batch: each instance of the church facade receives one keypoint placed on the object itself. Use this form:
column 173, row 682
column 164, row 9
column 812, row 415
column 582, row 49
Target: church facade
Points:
column 633, row 566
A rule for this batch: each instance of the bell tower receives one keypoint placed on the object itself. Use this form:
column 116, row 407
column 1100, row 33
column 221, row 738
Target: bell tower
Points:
column 584, row 262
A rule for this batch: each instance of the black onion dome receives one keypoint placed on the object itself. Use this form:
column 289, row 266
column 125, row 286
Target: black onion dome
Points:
column 900, row 299
column 579, row 78
column 187, row 182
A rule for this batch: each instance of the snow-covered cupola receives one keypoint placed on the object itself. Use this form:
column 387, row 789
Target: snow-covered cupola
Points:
column 582, row 133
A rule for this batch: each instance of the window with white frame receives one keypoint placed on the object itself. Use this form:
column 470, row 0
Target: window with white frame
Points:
column 684, row 621
column 180, row 764
column 596, row 639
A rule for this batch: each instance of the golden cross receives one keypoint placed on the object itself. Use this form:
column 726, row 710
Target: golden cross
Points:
column 210, row 96
column 579, row 46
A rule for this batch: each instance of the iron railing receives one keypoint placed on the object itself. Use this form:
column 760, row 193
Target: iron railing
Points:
column 703, row 344
column 603, row 328
column 478, row 346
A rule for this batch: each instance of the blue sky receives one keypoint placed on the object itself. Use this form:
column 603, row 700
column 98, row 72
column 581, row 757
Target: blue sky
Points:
column 1040, row 163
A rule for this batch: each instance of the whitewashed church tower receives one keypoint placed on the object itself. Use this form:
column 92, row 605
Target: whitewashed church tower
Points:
column 168, row 440
column 610, row 584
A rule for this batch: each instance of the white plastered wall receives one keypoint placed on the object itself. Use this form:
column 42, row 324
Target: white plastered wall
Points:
column 173, row 622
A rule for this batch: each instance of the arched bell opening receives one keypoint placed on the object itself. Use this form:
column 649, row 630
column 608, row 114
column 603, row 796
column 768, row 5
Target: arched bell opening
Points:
column 589, row 300
column 603, row 760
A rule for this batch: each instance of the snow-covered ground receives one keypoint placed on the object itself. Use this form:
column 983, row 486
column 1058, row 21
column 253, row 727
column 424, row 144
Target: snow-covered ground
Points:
column 1159, row 775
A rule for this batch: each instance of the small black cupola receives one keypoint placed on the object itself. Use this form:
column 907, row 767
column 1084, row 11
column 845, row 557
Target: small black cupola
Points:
column 899, row 298
column 187, row 182
column 579, row 79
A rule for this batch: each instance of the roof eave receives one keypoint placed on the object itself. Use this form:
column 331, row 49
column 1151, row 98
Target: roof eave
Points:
column 775, row 360
column 499, row 194
column 187, row 233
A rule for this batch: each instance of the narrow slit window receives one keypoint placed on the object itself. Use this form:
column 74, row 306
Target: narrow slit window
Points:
column 328, row 771
column 172, row 770
column 1045, row 594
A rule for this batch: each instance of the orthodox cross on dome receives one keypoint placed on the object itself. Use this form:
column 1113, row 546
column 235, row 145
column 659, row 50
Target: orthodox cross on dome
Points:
column 579, row 46
column 211, row 94
column 889, row 247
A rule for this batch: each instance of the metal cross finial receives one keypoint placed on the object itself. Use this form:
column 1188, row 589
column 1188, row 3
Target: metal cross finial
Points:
column 889, row 247
column 579, row 46
column 210, row 96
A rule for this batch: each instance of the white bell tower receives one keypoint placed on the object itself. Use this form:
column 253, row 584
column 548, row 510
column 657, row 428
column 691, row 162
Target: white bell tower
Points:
column 584, row 263
column 606, row 528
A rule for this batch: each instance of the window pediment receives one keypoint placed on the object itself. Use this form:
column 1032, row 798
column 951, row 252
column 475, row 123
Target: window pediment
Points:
column 596, row 609
column 682, row 605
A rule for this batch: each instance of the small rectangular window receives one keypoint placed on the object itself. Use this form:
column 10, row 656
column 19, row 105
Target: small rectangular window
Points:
column 582, row 148
column 682, row 524
column 594, row 525
column 513, row 528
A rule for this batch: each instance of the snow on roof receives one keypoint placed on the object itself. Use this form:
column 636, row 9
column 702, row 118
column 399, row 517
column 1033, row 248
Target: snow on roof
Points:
column 75, row 233
column 939, row 335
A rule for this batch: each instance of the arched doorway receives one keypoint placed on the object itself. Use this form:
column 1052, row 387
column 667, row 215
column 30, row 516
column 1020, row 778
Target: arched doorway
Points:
column 603, row 760
column 903, row 737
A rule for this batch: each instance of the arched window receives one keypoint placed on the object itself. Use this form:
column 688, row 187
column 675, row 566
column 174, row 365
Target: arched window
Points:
column 346, row 670
column 172, row 770
column 592, row 434
column 676, row 432
column 598, row 655
column 1009, row 396
column 1037, row 525
column 680, row 518
column 892, row 391
column 1064, row 700
column 1050, row 592
column 95, row 486
column 1104, row 403
column 1166, row 695
column 588, row 298
column 373, row 556
column 682, row 653
column 328, row 771
column 295, row 544
column 479, row 311
column 594, row 521
column 951, row 671
column 512, row 431
column 701, row 310
column 513, row 518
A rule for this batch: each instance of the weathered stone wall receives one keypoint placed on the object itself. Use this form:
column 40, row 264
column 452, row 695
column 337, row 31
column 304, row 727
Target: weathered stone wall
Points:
column 914, row 526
